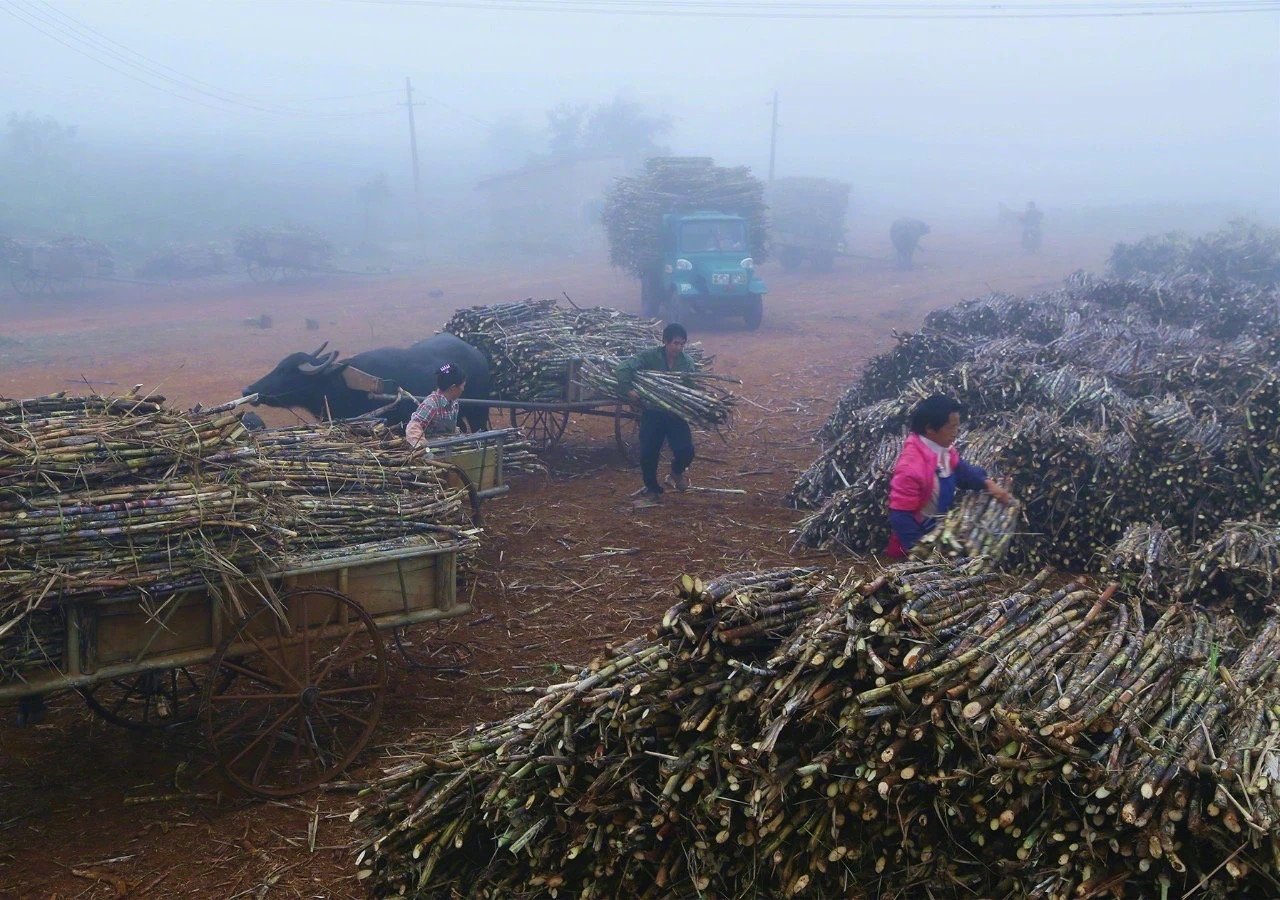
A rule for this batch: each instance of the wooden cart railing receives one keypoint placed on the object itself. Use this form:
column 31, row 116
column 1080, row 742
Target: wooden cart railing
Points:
column 544, row 422
column 286, row 669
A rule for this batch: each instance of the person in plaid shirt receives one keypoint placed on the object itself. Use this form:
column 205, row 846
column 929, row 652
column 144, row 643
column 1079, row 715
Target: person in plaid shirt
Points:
column 438, row 414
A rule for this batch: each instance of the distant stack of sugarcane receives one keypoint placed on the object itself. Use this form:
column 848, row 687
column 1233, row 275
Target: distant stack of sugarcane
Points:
column 635, row 205
column 188, row 260
column 1242, row 250
column 103, row 496
column 934, row 730
column 1105, row 404
column 283, row 248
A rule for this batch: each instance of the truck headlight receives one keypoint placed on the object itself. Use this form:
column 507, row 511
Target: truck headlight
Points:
column 748, row 263
column 684, row 265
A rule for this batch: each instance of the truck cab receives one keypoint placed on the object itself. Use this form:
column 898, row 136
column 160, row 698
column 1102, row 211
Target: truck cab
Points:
column 706, row 267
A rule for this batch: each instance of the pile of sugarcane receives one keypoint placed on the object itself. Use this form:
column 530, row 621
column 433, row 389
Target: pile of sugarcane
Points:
column 533, row 345
column 185, row 260
column 1152, row 401
column 1243, row 250
column 122, row 496
column 540, row 351
column 697, row 397
column 931, row 731
column 635, row 205
column 288, row 247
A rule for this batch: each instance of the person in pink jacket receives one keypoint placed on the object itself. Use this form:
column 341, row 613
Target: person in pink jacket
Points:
column 928, row 473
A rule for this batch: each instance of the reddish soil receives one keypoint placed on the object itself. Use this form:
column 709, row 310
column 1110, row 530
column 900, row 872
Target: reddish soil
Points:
column 545, row 597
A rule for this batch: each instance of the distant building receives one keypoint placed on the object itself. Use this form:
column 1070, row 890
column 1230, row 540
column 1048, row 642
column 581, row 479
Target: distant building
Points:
column 551, row 207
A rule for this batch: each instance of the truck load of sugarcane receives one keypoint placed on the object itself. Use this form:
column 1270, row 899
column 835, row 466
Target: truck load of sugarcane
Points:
column 692, row 232
column 542, row 351
column 270, row 254
column 806, row 221
column 127, row 497
column 1108, row 403
column 929, row 729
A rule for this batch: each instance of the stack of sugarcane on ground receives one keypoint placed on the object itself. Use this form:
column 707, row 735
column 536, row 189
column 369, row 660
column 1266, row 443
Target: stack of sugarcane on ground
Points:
column 124, row 497
column 1104, row 404
column 1242, row 250
column 933, row 730
column 635, row 205
column 537, row 348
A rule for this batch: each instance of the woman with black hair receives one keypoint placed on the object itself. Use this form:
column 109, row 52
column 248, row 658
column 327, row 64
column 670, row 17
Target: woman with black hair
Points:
column 437, row 416
column 928, row 472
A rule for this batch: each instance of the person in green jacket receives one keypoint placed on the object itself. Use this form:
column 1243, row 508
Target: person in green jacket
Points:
column 658, row 425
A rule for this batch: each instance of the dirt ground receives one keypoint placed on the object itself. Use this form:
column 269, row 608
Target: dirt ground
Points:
column 568, row 567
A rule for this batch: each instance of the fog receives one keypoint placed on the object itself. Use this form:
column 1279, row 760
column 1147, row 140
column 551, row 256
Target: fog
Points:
column 193, row 119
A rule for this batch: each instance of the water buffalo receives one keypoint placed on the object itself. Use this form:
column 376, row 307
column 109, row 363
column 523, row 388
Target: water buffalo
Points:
column 326, row 387
column 906, row 234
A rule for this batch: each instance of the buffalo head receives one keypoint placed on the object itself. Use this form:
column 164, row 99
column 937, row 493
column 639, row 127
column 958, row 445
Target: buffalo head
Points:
column 304, row 380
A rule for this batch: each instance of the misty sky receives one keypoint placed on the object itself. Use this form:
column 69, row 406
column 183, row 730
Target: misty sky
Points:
column 1066, row 110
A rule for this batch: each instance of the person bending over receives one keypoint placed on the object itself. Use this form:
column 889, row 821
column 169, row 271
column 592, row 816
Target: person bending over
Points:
column 928, row 473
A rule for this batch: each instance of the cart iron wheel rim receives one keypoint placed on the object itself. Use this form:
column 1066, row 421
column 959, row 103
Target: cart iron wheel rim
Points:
column 160, row 700
column 305, row 693
column 543, row 427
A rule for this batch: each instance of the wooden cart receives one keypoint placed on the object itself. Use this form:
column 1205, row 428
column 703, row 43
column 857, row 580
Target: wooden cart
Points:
column 544, row 422
column 286, row 670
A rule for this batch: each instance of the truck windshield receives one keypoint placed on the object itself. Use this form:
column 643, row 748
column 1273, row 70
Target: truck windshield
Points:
column 713, row 237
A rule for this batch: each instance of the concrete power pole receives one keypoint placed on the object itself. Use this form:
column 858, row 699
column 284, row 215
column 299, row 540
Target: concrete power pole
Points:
column 773, row 136
column 413, row 150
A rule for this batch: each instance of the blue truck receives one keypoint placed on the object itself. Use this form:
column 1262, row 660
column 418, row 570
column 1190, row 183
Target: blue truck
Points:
column 706, row 268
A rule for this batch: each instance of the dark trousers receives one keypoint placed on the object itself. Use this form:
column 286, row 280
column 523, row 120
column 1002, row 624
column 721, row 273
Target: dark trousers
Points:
column 656, row 426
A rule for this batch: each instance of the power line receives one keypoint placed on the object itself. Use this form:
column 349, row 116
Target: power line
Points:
column 80, row 38
column 721, row 9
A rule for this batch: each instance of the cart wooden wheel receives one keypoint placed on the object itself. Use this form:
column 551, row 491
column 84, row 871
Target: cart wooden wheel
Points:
column 301, row 695
column 263, row 273
column 543, row 427
column 626, row 433
column 147, row 701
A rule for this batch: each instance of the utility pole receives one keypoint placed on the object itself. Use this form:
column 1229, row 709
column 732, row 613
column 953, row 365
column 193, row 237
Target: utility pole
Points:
column 773, row 136
column 413, row 150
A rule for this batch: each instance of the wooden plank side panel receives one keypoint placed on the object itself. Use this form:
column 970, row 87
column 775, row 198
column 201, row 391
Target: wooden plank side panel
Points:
column 125, row 631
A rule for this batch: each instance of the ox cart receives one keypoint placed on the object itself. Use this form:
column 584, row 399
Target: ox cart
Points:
column 57, row 266
column 544, row 423
column 286, row 670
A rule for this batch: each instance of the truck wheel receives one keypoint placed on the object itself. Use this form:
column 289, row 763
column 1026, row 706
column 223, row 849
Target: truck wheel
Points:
column 677, row 309
column 753, row 315
column 790, row 258
column 650, row 304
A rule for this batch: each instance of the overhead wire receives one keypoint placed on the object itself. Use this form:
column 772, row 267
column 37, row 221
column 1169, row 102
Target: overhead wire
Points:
column 773, row 9
column 80, row 38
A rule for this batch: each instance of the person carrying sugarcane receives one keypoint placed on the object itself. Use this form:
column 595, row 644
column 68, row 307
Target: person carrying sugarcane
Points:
column 928, row 473
column 659, row 425
column 437, row 416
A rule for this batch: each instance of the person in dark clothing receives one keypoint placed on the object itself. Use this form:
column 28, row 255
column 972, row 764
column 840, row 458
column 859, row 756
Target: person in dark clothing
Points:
column 658, row 425
column 928, row 473
column 905, row 235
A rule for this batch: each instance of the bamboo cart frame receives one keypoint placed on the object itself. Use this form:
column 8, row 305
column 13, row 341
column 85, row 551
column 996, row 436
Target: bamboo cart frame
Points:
column 543, row 422
column 290, row 659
